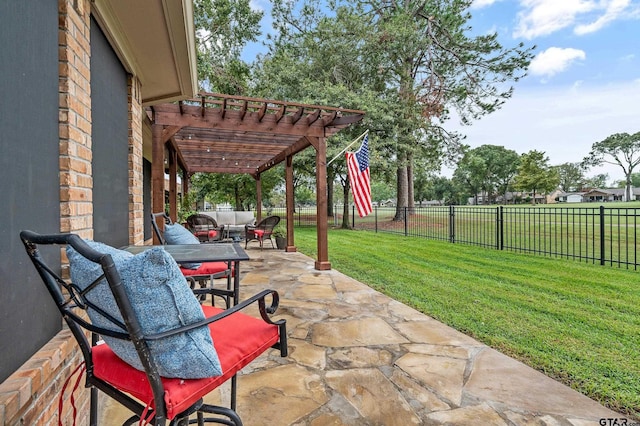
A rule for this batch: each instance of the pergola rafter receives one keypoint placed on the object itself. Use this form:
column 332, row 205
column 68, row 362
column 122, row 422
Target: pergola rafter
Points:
column 217, row 133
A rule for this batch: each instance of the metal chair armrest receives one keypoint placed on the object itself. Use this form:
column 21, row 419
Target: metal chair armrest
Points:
column 265, row 311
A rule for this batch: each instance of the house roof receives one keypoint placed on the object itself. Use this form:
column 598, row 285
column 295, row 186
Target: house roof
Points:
column 217, row 133
column 155, row 41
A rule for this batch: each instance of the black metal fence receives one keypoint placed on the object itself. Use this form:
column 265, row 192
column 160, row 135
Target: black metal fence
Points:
column 599, row 235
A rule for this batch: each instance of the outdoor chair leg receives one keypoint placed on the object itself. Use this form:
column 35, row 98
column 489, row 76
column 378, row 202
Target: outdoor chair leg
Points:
column 93, row 407
column 234, row 388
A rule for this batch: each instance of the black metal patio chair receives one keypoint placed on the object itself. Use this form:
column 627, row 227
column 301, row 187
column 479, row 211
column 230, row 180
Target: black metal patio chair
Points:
column 149, row 323
column 261, row 231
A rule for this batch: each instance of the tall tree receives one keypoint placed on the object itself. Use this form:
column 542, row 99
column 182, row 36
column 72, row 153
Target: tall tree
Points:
column 223, row 28
column 571, row 176
column 435, row 64
column 406, row 63
column 620, row 149
column 318, row 59
column 535, row 174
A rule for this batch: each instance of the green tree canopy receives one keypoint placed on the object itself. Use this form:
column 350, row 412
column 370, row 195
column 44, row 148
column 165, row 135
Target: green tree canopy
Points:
column 238, row 190
column 223, row 28
column 490, row 168
column 535, row 174
column 620, row 149
column 597, row 181
column 571, row 176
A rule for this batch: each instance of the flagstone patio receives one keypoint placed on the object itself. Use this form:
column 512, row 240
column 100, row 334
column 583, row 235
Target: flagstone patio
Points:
column 358, row 357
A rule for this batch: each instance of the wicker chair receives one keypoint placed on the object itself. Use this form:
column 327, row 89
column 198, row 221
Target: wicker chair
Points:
column 261, row 231
column 205, row 228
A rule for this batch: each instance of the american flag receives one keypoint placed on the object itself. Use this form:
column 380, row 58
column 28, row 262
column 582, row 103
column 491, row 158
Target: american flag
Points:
column 358, row 165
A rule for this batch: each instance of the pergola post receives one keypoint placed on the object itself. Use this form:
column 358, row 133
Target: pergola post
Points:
column 157, row 174
column 290, row 201
column 322, row 263
column 173, row 185
column 258, row 178
column 185, row 183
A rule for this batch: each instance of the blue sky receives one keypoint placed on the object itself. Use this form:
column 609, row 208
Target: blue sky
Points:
column 582, row 86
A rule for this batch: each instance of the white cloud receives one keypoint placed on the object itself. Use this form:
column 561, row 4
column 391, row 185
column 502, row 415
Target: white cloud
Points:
column 614, row 10
column 543, row 17
column 628, row 58
column 478, row 4
column 554, row 60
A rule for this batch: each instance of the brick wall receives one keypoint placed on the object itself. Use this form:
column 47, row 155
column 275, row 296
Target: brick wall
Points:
column 136, row 208
column 76, row 208
column 31, row 395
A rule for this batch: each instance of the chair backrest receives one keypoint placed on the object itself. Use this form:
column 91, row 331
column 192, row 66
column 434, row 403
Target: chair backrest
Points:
column 201, row 222
column 156, row 229
column 268, row 223
column 74, row 305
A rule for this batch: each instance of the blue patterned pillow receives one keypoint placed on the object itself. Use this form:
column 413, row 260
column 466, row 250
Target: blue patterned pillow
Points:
column 178, row 234
column 161, row 300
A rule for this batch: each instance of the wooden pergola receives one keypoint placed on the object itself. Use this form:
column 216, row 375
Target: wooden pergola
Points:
column 217, row 133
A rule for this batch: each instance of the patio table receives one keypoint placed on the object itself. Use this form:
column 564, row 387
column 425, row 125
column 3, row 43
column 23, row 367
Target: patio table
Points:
column 231, row 253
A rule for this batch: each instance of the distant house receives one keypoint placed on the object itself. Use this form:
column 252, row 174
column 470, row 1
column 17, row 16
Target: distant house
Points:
column 597, row 195
column 570, row 197
column 602, row 195
column 430, row 203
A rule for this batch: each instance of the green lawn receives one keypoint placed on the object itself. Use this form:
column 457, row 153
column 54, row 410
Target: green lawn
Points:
column 576, row 322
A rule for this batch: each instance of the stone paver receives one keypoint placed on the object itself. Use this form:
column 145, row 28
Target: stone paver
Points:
column 360, row 358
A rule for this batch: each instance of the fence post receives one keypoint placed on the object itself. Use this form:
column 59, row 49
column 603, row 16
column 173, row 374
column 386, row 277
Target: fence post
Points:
column 406, row 221
column 376, row 217
column 353, row 217
column 500, row 229
column 602, row 235
column 452, row 224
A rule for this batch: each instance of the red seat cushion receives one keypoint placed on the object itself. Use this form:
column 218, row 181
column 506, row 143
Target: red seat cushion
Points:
column 259, row 232
column 238, row 339
column 210, row 234
column 206, row 268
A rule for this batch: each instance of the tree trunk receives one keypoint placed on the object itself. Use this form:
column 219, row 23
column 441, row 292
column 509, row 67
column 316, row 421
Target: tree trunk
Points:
column 411, row 202
column 345, row 208
column 627, row 189
column 330, row 180
column 238, row 202
column 402, row 191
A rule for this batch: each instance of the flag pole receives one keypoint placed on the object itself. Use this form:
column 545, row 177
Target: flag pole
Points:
column 348, row 146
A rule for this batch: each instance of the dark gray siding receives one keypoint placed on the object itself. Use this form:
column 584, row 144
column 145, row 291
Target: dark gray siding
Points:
column 109, row 143
column 29, row 173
